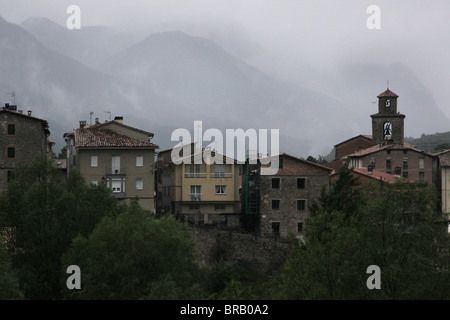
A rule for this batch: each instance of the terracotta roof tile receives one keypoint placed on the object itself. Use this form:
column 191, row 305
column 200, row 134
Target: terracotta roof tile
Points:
column 387, row 93
column 379, row 175
column 86, row 137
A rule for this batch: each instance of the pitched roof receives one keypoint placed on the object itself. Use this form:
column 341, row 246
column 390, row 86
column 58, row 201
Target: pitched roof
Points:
column 104, row 138
column 379, row 147
column 303, row 161
column 378, row 175
column 44, row 122
column 444, row 158
column 366, row 136
column 387, row 93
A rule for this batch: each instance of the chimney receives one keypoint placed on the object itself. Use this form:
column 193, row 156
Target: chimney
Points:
column 29, row 112
column 118, row 119
column 10, row 107
column 97, row 121
column 82, row 123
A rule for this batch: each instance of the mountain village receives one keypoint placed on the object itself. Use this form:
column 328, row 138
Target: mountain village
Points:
column 229, row 195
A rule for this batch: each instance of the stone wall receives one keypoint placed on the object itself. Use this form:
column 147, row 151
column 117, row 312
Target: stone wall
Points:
column 239, row 248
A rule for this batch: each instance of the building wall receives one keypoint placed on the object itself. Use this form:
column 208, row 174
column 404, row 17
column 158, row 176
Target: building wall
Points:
column 29, row 142
column 397, row 160
column 445, row 189
column 180, row 189
column 352, row 146
column 287, row 215
column 397, row 123
column 131, row 171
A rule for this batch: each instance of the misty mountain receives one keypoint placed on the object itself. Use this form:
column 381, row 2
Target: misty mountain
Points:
column 170, row 79
column 58, row 88
column 88, row 45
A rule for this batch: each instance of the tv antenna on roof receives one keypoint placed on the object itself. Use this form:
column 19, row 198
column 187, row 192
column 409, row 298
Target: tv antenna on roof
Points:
column 13, row 96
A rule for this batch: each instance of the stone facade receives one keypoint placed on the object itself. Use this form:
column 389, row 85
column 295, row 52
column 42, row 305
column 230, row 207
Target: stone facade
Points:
column 352, row 145
column 285, row 197
column 23, row 138
column 387, row 119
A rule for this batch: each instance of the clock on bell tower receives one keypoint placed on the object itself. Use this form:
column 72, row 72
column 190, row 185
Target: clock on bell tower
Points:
column 388, row 123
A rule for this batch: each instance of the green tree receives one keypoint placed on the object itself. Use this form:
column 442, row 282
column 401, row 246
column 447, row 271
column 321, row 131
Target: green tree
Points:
column 44, row 214
column 397, row 227
column 9, row 285
column 133, row 256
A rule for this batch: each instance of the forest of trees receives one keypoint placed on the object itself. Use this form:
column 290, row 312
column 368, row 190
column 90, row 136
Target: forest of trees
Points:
column 123, row 252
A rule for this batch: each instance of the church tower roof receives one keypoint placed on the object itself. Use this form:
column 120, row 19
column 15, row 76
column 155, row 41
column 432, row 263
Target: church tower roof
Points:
column 387, row 93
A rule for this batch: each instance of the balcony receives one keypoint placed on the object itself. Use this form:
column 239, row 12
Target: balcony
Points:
column 115, row 171
column 221, row 175
column 196, row 196
column 195, row 175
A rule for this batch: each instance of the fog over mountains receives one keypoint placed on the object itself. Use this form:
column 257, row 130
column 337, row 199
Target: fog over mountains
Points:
column 168, row 80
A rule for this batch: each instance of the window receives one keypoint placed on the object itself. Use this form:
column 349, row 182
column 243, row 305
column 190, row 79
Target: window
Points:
column 275, row 204
column 221, row 190
column 194, row 207
column 275, row 183
column 388, row 164
column 301, row 204
column 115, row 164
column 117, row 185
column 421, row 163
column 421, row 176
column 9, row 175
column 219, row 207
column 139, row 184
column 94, row 182
column 11, row 129
column 405, row 174
column 11, row 153
column 301, row 182
column 219, row 170
column 372, row 162
column 405, row 163
column 196, row 193
column 276, row 228
column 139, row 161
column 300, row 227
column 397, row 170
column 94, row 161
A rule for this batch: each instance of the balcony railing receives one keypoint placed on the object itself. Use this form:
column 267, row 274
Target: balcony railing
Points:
column 115, row 171
column 195, row 175
column 221, row 175
column 196, row 197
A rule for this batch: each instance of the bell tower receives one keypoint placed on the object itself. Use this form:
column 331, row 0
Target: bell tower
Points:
column 388, row 123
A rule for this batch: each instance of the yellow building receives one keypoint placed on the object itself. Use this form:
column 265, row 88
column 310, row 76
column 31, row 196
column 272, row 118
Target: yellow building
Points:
column 197, row 189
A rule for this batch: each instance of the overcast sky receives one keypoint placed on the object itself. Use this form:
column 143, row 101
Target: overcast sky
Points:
column 320, row 34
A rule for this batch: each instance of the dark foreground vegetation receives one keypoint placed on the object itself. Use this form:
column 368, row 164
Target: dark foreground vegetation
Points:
column 123, row 252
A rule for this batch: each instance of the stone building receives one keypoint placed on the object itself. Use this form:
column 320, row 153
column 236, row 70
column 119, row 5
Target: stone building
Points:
column 385, row 150
column 284, row 197
column 116, row 154
column 23, row 138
